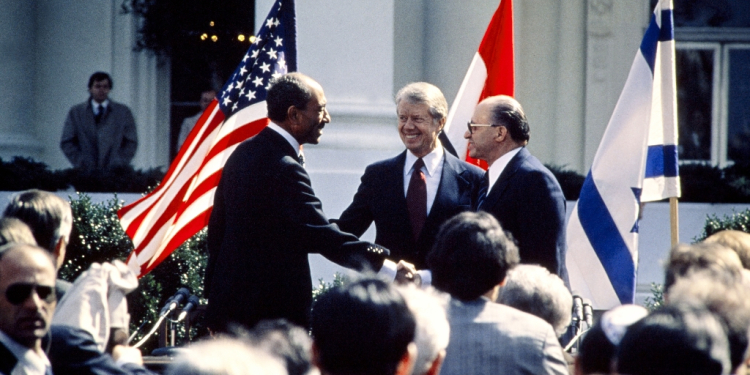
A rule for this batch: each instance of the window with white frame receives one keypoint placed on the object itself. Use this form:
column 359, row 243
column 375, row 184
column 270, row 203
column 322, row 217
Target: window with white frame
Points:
column 713, row 80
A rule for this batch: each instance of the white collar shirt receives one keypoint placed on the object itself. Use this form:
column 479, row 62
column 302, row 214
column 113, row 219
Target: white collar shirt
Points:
column 497, row 168
column 29, row 361
column 293, row 142
column 433, row 169
column 95, row 105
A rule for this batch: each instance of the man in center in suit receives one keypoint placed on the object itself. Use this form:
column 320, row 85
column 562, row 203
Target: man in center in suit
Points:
column 411, row 195
column 522, row 194
column 266, row 218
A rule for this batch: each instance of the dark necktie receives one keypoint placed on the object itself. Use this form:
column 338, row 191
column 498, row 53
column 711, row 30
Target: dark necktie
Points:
column 416, row 198
column 483, row 189
column 99, row 113
column 301, row 159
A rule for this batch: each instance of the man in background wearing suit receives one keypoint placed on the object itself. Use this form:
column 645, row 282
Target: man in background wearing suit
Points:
column 411, row 195
column 266, row 218
column 522, row 194
column 99, row 133
column 470, row 260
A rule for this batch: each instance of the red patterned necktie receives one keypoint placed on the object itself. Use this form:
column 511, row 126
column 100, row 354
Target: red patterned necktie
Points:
column 416, row 198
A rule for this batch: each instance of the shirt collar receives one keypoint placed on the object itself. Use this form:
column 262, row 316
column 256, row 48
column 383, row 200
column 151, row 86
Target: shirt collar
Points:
column 30, row 357
column 497, row 168
column 293, row 142
column 105, row 103
column 431, row 160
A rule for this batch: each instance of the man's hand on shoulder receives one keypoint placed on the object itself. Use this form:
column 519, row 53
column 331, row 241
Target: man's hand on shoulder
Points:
column 407, row 273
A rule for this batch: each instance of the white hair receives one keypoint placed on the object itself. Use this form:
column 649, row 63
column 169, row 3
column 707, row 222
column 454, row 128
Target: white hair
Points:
column 533, row 289
column 432, row 331
column 225, row 356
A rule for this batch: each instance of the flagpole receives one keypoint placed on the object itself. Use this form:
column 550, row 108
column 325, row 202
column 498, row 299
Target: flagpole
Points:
column 674, row 220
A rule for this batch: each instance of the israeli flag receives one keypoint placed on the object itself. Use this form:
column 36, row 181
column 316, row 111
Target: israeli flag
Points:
column 636, row 162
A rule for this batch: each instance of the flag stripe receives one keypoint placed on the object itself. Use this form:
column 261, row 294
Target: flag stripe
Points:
column 650, row 42
column 605, row 238
column 662, row 161
column 666, row 32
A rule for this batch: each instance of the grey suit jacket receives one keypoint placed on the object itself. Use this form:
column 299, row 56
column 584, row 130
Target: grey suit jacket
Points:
column 489, row 338
column 110, row 143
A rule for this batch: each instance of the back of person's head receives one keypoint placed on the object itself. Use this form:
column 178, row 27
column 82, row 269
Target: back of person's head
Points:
column 472, row 254
column 736, row 240
column 599, row 345
column 286, row 341
column 48, row 216
column 288, row 90
column 730, row 303
column 677, row 339
column 100, row 76
column 13, row 230
column 433, row 331
column 533, row 289
column 362, row 328
column 717, row 259
column 225, row 356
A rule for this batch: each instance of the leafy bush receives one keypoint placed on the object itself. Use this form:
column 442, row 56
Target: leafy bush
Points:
column 98, row 237
column 24, row 173
column 737, row 221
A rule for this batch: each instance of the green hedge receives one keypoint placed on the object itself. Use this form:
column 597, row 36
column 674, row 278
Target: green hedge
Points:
column 98, row 237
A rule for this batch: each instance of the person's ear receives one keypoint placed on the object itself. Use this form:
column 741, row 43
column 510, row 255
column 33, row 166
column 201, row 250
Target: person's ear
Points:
column 502, row 134
column 436, row 364
column 406, row 364
column 292, row 113
column 59, row 252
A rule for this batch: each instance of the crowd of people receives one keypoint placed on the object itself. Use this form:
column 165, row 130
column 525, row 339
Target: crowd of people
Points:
column 466, row 274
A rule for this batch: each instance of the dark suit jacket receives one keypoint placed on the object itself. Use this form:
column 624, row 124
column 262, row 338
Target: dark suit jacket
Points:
column 7, row 360
column 266, row 219
column 110, row 143
column 380, row 198
column 528, row 202
column 73, row 351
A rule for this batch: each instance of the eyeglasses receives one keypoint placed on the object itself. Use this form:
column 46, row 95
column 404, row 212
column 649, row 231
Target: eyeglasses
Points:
column 472, row 125
column 19, row 292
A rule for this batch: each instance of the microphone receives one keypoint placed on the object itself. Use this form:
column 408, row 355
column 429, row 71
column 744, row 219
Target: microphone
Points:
column 588, row 313
column 191, row 304
column 577, row 308
column 174, row 301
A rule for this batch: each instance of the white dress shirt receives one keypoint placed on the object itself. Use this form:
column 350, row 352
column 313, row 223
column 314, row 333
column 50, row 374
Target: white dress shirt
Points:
column 433, row 169
column 293, row 142
column 95, row 105
column 29, row 361
column 497, row 168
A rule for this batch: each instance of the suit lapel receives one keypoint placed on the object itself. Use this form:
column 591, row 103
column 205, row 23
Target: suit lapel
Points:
column 7, row 360
column 504, row 180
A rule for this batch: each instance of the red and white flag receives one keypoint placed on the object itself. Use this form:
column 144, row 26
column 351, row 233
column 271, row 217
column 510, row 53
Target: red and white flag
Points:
column 490, row 73
column 181, row 205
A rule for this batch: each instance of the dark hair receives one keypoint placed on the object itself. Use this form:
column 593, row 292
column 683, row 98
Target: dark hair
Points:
column 100, row 76
column 362, row 328
column 13, row 230
column 286, row 91
column 471, row 255
column 596, row 352
column 48, row 216
column 510, row 114
column 285, row 340
column 676, row 339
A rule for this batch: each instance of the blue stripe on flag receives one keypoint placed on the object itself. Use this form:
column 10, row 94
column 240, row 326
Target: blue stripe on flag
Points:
column 606, row 240
column 667, row 27
column 662, row 161
column 648, row 45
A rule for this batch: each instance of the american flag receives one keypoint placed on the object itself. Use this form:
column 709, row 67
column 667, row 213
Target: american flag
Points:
column 181, row 205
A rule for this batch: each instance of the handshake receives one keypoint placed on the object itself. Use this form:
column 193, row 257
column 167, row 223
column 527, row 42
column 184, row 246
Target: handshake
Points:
column 407, row 273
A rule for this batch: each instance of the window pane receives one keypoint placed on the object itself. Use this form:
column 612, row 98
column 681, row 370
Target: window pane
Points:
column 738, row 119
column 712, row 13
column 695, row 72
